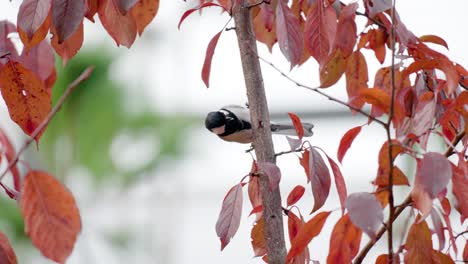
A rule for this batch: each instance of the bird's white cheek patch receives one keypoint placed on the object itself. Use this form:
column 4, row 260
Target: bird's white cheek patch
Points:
column 218, row 130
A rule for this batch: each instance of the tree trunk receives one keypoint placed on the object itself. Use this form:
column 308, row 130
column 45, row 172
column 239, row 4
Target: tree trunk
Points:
column 260, row 119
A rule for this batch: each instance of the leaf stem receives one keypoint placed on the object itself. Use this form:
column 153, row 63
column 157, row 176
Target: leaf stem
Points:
column 84, row 75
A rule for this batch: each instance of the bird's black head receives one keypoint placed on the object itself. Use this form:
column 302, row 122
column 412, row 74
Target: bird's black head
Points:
column 214, row 120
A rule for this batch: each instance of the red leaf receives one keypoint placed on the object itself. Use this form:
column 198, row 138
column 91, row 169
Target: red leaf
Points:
column 434, row 39
column 67, row 15
column 124, row 5
column 10, row 153
column 421, row 200
column 297, row 125
column 310, row 230
column 365, row 212
column 346, row 142
column 441, row 63
column 6, row 45
column 37, row 37
column 423, row 118
column 295, row 195
column 339, row 183
column 332, row 69
column 70, row 47
column 346, row 31
column 257, row 209
column 25, row 95
column 465, row 251
column 254, row 192
column 258, row 238
column 40, row 59
column 294, row 225
column 51, row 217
column 190, row 11
column 229, row 217
column 122, row 29
column 460, row 191
column 264, row 28
column 205, row 74
column 143, row 12
column 374, row 7
column 419, row 244
column 356, row 78
column 320, row 30
column 289, row 34
column 345, row 243
column 320, row 179
column 272, row 172
column 446, row 215
column 434, row 173
column 438, row 228
column 32, row 15
column 91, row 9
column 384, row 259
column 7, row 254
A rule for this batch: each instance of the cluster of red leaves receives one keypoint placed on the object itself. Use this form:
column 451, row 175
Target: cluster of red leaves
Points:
column 425, row 93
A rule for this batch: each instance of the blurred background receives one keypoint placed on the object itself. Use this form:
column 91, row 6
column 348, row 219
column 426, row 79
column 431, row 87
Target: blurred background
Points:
column 149, row 180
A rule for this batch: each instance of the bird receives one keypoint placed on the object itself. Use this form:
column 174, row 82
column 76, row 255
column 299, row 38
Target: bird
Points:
column 232, row 123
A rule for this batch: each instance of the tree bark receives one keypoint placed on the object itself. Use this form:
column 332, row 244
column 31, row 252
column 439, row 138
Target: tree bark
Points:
column 260, row 119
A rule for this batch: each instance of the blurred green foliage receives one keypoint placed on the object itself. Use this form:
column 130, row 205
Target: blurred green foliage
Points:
column 95, row 114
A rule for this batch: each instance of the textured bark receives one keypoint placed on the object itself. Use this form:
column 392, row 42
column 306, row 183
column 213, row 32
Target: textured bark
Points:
column 260, row 118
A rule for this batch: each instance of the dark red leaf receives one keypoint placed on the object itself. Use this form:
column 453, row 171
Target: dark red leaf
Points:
column 272, row 172
column 205, row 74
column 258, row 238
column 295, row 195
column 297, row 124
column 346, row 31
column 434, row 173
column 384, row 259
column 32, row 14
column 7, row 254
column 374, row 7
column 257, row 209
column 320, row 179
column 123, row 29
column 465, row 251
column 346, row 142
column 320, row 30
column 339, row 183
column 6, row 45
column 229, row 217
column 460, row 191
column 67, row 16
column 419, row 244
column 345, row 241
column 190, row 11
column 438, row 228
column 51, row 217
column 91, row 9
column 365, row 212
column 310, row 230
column 124, row 5
column 289, row 34
column 10, row 153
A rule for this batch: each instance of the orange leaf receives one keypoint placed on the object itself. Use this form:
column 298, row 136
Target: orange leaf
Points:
column 434, row 39
column 441, row 258
column 310, row 230
column 38, row 35
column 144, row 11
column 122, row 28
column 68, row 49
column 295, row 195
column 345, row 243
column 297, row 125
column 51, row 217
column 441, row 63
column 32, row 15
column 332, row 69
column 206, row 70
column 258, row 238
column 356, row 78
column 419, row 244
column 383, row 259
column 376, row 97
column 346, row 142
column 261, row 28
column 25, row 95
column 7, row 254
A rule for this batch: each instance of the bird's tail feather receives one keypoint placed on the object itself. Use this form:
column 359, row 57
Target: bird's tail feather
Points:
column 289, row 130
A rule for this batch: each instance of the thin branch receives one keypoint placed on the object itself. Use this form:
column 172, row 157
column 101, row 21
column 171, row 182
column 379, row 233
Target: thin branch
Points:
column 378, row 23
column 317, row 90
column 86, row 73
column 452, row 146
column 288, row 152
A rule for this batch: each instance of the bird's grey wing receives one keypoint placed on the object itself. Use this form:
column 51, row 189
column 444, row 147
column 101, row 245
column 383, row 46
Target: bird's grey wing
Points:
column 241, row 112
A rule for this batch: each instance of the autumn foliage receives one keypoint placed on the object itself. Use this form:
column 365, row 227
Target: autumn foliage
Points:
column 417, row 94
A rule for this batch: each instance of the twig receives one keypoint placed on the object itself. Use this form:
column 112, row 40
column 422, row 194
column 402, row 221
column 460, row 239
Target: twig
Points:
column 452, row 146
column 371, row 19
column 391, row 201
column 49, row 117
column 317, row 90
column 257, row 4
column 288, row 152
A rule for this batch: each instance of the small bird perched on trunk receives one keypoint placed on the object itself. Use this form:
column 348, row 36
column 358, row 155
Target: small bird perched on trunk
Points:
column 232, row 123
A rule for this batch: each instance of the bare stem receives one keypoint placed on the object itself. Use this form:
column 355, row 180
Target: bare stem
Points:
column 49, row 117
